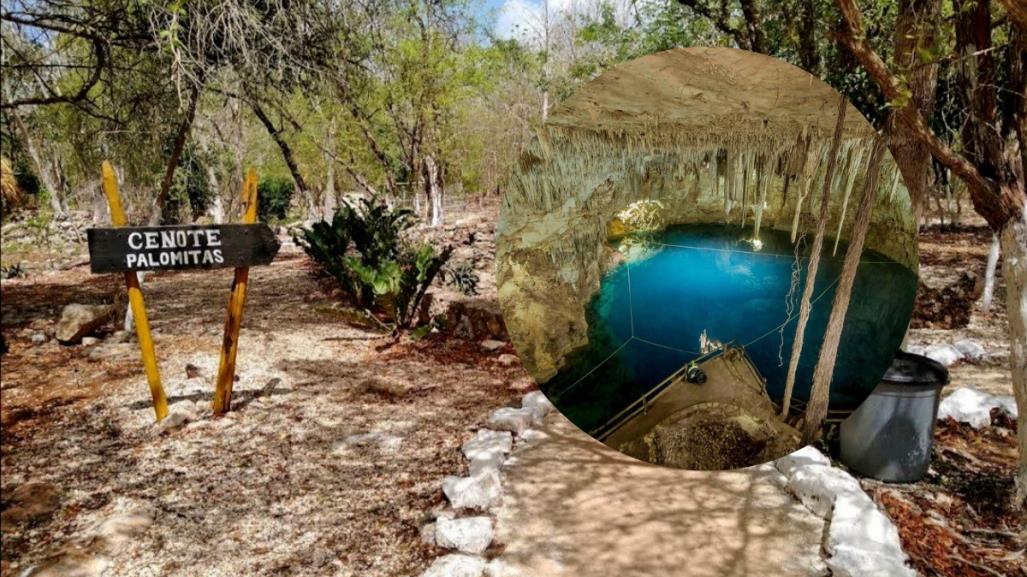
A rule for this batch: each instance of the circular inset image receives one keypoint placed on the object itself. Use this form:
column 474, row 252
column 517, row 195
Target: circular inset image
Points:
column 672, row 257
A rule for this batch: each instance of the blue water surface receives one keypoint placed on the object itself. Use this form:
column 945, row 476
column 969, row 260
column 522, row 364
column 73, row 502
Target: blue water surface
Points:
column 646, row 319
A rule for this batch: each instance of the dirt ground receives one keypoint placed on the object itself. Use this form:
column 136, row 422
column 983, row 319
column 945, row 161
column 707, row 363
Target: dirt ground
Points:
column 330, row 462
column 955, row 522
column 336, row 450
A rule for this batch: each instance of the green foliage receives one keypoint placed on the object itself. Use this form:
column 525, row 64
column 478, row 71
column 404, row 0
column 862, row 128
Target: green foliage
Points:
column 16, row 270
column 363, row 249
column 274, row 194
column 26, row 177
column 327, row 243
column 463, row 277
column 190, row 193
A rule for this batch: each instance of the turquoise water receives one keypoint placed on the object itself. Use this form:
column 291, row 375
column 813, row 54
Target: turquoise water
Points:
column 646, row 319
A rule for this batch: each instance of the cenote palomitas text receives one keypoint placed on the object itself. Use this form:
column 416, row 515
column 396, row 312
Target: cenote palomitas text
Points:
column 174, row 247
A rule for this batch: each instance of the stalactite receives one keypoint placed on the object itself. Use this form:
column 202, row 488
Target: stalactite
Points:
column 814, row 259
column 763, row 180
column 855, row 160
column 807, row 173
column 816, row 409
column 729, row 184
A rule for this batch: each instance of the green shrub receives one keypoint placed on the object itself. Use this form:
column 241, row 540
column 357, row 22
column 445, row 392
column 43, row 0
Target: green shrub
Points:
column 363, row 249
column 190, row 193
column 274, row 194
column 463, row 277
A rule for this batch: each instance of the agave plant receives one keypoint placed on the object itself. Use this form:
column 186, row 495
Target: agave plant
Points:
column 463, row 277
column 363, row 248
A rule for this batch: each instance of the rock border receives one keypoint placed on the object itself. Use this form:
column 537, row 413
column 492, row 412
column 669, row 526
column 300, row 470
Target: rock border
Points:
column 859, row 539
column 467, row 527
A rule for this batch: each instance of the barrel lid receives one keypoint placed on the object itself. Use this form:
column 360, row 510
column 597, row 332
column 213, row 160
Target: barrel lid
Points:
column 912, row 369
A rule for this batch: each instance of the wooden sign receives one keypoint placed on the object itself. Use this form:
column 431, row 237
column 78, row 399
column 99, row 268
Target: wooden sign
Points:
column 128, row 249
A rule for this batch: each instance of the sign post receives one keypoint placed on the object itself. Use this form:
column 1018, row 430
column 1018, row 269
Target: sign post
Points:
column 135, row 299
column 236, row 302
column 131, row 249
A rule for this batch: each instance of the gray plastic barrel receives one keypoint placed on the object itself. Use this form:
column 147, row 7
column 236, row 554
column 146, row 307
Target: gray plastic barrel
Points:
column 889, row 436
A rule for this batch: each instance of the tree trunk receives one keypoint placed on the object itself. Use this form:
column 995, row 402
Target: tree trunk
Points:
column 283, row 146
column 995, row 189
column 816, row 410
column 329, row 196
column 41, row 169
column 989, row 274
column 809, row 56
column 433, row 190
column 1014, row 271
column 814, row 260
column 916, row 30
column 157, row 214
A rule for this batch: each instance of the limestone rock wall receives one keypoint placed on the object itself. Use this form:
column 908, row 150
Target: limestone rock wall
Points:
column 552, row 237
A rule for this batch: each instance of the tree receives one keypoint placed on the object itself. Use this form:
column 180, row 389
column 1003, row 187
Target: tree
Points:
column 992, row 170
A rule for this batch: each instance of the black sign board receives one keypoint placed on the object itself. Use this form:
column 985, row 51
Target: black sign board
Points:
column 180, row 247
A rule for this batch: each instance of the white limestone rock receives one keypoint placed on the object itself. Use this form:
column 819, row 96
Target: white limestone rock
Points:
column 538, row 404
column 488, row 461
column 947, row 355
column 467, row 535
column 456, row 565
column 486, row 442
column 511, row 419
column 804, row 456
column 971, row 349
column 968, row 405
column 481, row 491
column 768, row 472
column 492, row 345
column 179, row 415
column 78, row 320
column 499, row 567
column 863, row 541
column 120, row 529
column 428, row 534
column 818, row 487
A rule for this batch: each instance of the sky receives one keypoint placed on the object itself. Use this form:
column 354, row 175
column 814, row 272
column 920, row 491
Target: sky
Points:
column 521, row 19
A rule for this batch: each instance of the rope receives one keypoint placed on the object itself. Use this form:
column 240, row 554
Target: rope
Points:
column 631, row 312
column 631, row 299
column 792, row 317
column 601, row 363
column 753, row 253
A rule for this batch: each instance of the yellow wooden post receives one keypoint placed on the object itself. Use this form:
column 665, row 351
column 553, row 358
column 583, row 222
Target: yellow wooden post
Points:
column 233, row 322
column 135, row 299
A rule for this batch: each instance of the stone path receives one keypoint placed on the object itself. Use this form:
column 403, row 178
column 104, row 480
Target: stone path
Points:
column 572, row 506
column 544, row 499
